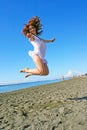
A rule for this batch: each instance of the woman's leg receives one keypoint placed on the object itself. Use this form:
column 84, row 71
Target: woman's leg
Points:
column 41, row 68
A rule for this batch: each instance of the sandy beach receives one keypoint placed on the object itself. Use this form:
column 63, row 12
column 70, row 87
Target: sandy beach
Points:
column 55, row 106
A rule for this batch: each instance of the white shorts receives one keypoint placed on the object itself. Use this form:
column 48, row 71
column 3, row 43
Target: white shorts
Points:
column 32, row 53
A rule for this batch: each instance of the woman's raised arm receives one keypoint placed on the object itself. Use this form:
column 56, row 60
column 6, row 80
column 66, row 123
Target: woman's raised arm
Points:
column 47, row 41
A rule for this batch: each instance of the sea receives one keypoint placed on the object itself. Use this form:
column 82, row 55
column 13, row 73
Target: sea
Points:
column 19, row 86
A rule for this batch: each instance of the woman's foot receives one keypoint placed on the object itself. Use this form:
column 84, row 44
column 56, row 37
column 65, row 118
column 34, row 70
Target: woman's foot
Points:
column 25, row 70
column 29, row 74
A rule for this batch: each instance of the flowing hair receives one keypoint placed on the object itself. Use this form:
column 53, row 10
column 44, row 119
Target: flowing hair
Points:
column 35, row 22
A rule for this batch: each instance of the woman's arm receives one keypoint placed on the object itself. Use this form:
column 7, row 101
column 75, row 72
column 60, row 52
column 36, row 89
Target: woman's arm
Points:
column 47, row 41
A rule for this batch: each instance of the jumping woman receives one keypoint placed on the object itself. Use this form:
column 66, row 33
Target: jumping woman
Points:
column 31, row 31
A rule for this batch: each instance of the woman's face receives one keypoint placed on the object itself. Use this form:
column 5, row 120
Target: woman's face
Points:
column 32, row 30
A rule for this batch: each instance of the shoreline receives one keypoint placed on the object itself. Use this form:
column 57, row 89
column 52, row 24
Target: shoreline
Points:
column 54, row 106
column 14, row 87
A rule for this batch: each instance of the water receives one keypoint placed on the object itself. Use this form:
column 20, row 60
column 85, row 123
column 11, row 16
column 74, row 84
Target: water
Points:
column 13, row 87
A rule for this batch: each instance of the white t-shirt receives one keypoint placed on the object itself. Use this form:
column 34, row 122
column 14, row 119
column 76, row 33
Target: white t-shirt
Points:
column 39, row 48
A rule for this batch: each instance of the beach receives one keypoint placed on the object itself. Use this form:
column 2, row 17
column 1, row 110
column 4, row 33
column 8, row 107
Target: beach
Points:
column 55, row 106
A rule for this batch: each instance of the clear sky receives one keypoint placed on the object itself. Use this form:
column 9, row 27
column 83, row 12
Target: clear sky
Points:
column 66, row 20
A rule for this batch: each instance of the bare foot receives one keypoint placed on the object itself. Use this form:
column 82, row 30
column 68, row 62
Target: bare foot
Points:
column 29, row 74
column 25, row 70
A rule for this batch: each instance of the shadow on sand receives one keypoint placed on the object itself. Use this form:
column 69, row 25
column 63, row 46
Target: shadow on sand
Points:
column 80, row 98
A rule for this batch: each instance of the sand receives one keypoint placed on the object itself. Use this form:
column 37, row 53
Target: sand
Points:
column 57, row 106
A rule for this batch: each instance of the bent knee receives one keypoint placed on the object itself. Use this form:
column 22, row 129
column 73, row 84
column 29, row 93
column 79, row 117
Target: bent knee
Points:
column 44, row 73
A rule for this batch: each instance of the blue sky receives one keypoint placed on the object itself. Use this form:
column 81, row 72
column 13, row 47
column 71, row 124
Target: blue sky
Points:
column 63, row 19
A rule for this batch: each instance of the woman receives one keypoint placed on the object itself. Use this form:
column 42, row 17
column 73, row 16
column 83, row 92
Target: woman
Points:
column 31, row 31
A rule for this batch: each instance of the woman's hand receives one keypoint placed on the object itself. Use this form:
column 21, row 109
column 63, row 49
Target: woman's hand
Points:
column 28, row 35
column 53, row 39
